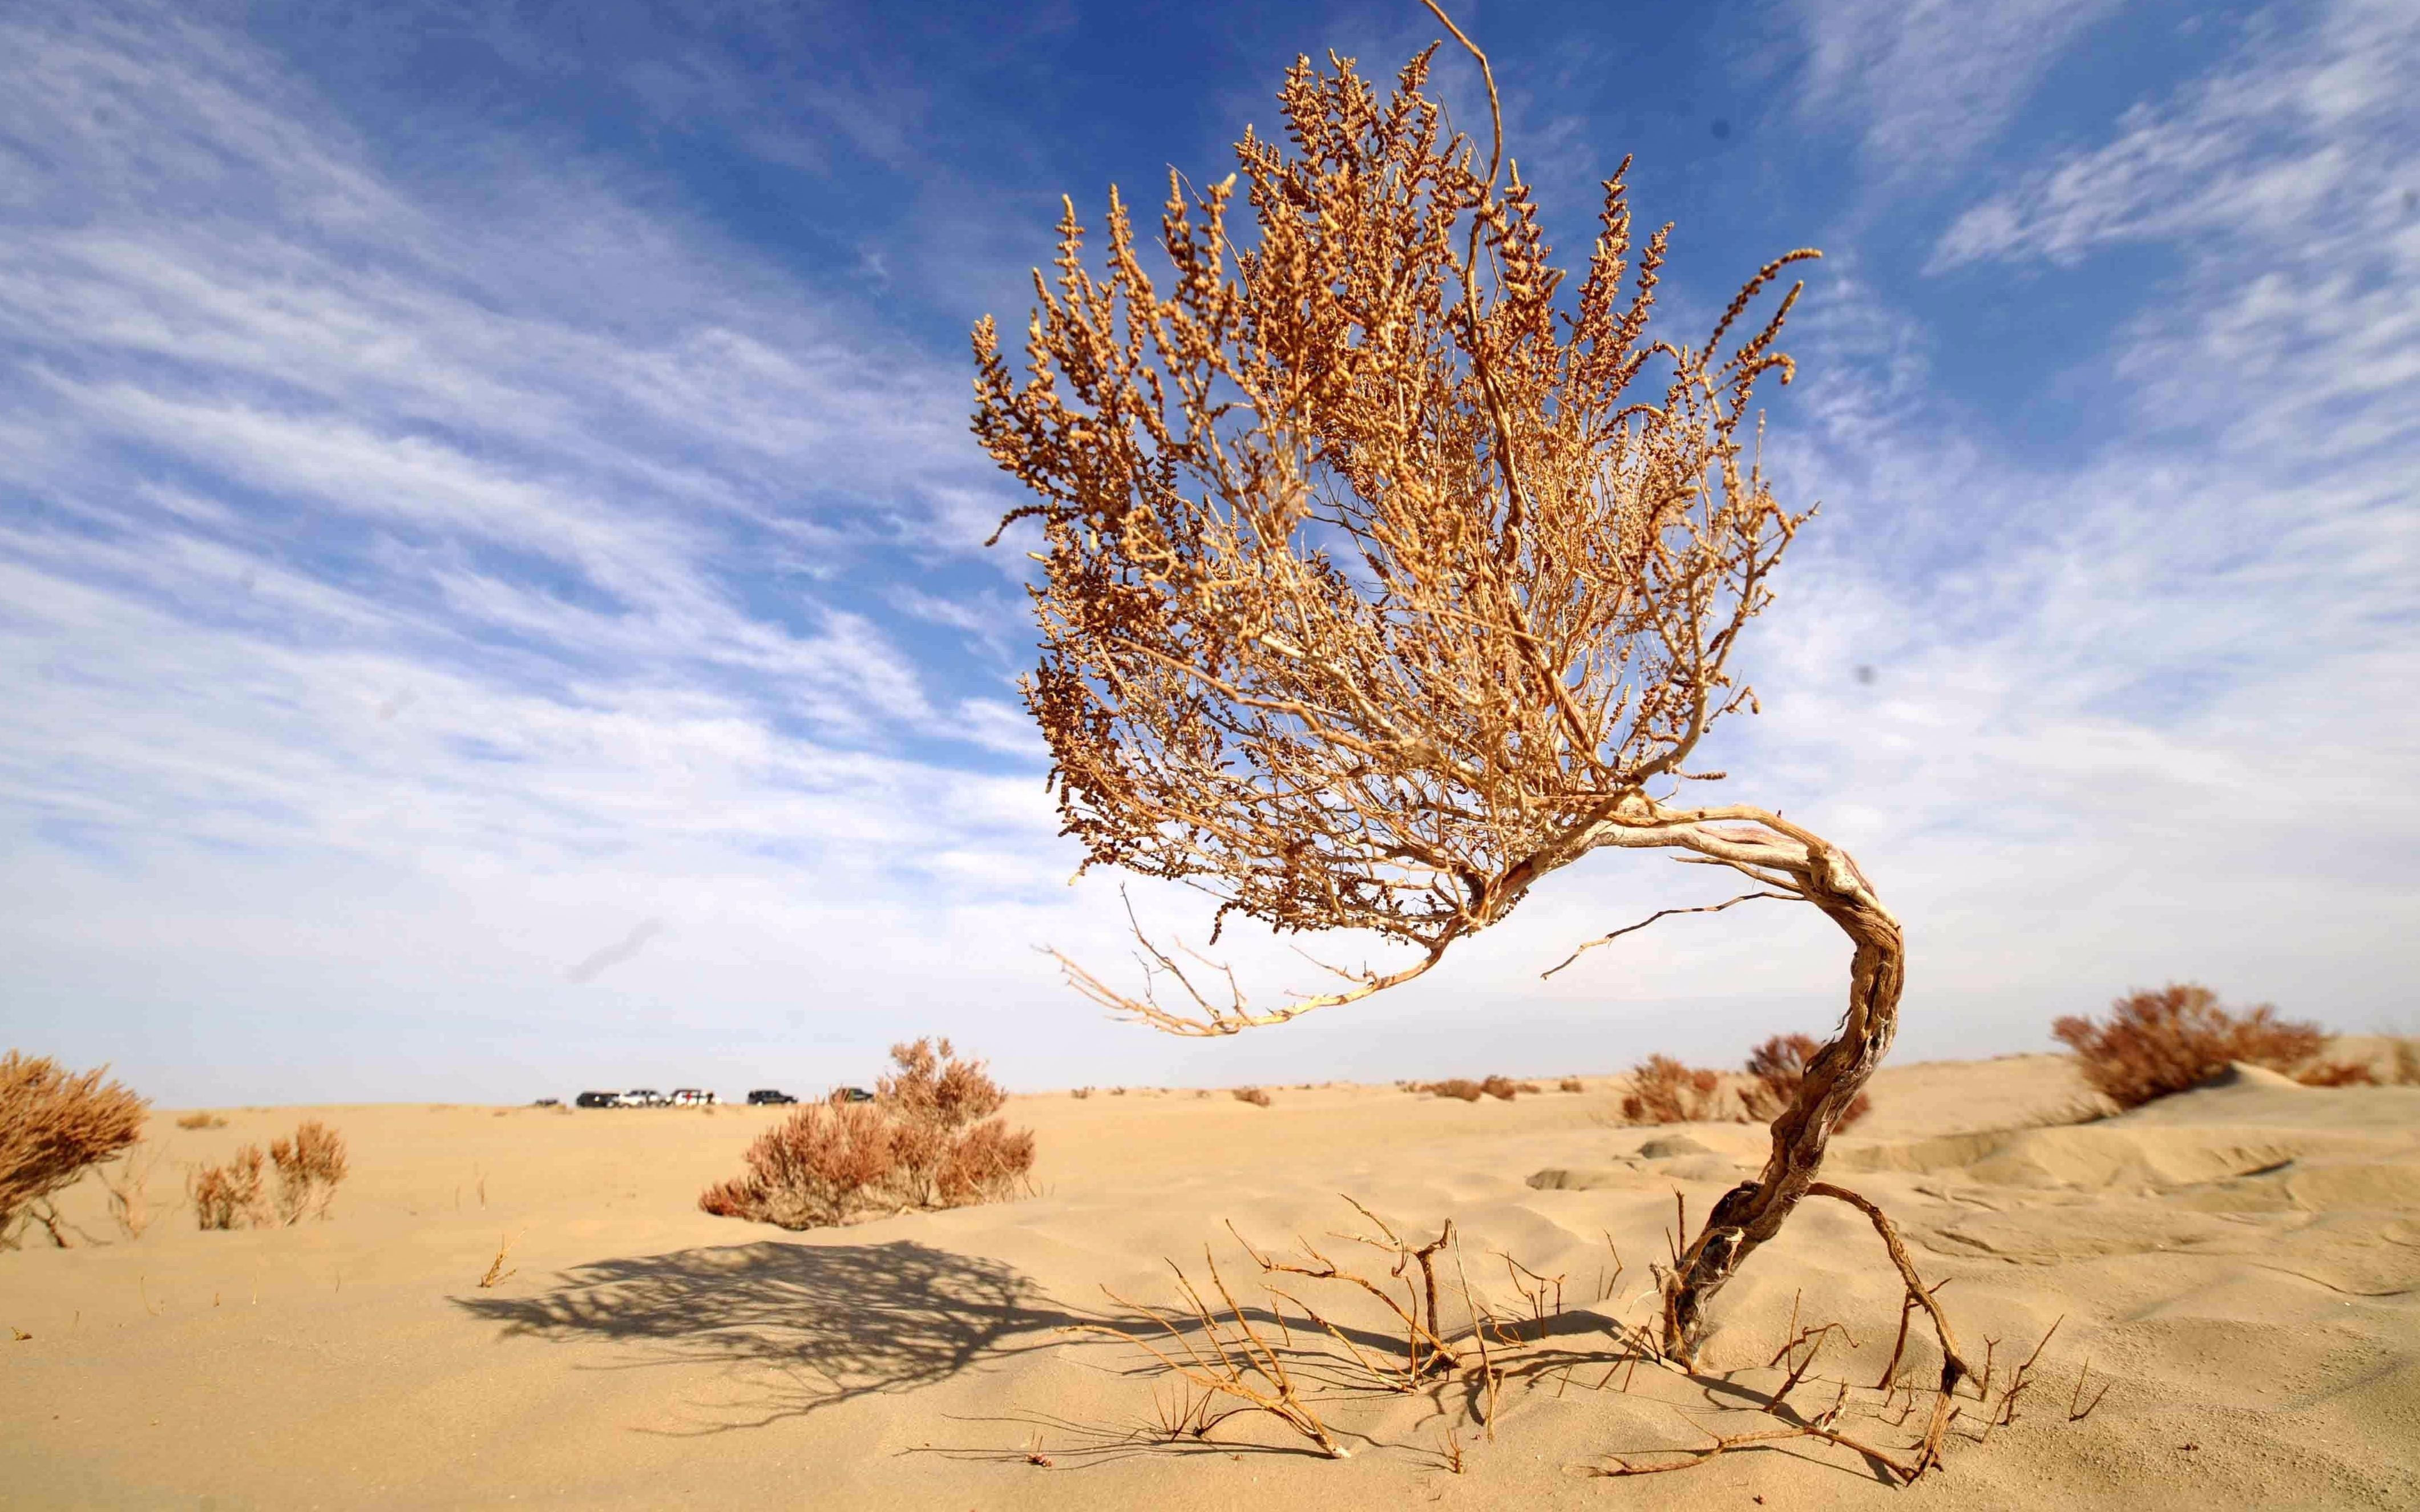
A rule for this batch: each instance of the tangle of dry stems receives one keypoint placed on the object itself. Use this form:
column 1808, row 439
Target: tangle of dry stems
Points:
column 1220, row 1351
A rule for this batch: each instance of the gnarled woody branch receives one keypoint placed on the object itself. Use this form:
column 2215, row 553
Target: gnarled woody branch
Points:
column 1373, row 592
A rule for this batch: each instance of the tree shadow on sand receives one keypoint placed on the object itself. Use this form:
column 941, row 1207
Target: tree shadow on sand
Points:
column 794, row 1327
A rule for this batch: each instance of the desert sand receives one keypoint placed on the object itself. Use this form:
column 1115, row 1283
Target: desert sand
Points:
column 2239, row 1265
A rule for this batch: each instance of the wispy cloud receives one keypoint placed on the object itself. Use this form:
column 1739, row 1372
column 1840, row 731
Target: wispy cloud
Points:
column 409, row 581
column 2284, row 183
column 1933, row 82
column 2127, row 707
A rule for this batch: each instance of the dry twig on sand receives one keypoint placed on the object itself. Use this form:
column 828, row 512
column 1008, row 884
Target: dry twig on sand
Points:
column 1425, row 1351
column 129, row 1187
column 497, row 1274
column 1226, row 1356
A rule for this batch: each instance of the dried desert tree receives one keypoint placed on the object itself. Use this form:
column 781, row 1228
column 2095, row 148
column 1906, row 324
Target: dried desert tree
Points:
column 54, row 1125
column 1373, row 591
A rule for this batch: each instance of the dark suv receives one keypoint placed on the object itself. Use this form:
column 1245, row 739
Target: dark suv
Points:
column 766, row 1094
column 598, row 1100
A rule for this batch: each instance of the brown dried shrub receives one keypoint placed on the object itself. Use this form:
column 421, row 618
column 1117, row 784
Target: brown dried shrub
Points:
column 1462, row 1088
column 1252, row 1095
column 1570, row 1083
column 230, row 1196
column 927, row 1140
column 1775, row 1069
column 309, row 1165
column 1663, row 1090
column 54, row 1127
column 821, row 1165
column 2157, row 1044
column 932, row 1085
column 201, row 1120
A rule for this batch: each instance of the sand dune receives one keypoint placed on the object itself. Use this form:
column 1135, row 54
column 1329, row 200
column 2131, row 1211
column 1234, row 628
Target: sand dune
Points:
column 2241, row 1265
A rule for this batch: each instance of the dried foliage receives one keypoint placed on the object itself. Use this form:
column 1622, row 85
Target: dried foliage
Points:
column 1570, row 1083
column 1776, row 1067
column 232, row 1195
column 1663, row 1090
column 927, row 1140
column 1385, row 574
column 201, row 1120
column 1252, row 1095
column 2157, row 1044
column 54, row 1127
column 309, row 1165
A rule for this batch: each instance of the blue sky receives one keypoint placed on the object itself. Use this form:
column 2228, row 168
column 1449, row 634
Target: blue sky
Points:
column 492, row 593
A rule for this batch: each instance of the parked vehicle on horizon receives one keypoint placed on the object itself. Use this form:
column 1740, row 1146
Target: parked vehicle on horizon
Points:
column 851, row 1094
column 764, row 1095
column 548, row 1103
column 643, row 1097
column 598, row 1100
column 692, row 1097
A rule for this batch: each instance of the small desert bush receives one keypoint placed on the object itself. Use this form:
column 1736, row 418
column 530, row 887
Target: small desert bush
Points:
column 1663, row 1090
column 201, row 1120
column 1570, row 1083
column 927, row 1140
column 2159, row 1042
column 1461, row 1089
column 231, row 1195
column 1775, row 1070
column 309, row 1165
column 236, row 1194
column 1252, row 1095
column 54, row 1127
column 2407, row 1063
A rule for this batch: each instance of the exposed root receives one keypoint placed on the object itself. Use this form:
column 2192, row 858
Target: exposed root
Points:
column 1954, row 1367
column 1816, row 1427
column 1221, row 1354
column 1223, row 1357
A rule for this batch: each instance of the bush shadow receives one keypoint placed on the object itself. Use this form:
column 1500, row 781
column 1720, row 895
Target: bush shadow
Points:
column 796, row 1327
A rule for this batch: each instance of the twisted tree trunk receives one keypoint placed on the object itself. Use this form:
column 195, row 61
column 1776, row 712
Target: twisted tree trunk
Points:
column 1754, row 1211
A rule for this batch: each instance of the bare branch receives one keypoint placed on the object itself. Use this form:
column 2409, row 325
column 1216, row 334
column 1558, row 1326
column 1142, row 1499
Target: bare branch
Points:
column 1662, row 913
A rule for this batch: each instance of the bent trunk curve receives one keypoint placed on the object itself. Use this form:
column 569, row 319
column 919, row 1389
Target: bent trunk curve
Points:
column 1753, row 1211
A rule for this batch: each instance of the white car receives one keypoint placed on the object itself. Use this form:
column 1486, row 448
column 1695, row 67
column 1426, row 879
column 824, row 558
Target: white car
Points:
column 643, row 1097
column 691, row 1097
